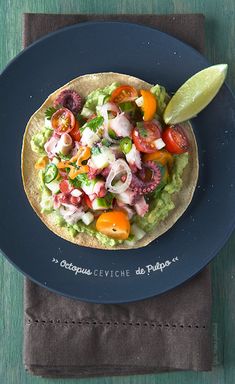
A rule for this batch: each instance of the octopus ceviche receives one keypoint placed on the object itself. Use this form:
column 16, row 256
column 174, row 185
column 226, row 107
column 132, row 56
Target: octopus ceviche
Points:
column 100, row 167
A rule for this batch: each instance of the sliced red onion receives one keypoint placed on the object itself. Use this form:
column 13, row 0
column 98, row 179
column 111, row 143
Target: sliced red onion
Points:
column 118, row 168
column 103, row 111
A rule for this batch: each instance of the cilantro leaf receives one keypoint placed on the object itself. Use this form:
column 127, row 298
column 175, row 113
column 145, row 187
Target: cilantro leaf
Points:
column 79, row 180
column 64, row 157
column 93, row 124
column 51, row 110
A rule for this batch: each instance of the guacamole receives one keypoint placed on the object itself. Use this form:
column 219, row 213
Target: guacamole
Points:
column 163, row 203
column 39, row 140
column 98, row 97
column 81, row 227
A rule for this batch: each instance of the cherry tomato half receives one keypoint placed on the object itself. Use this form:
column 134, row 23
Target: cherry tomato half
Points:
column 175, row 139
column 75, row 133
column 144, row 135
column 149, row 106
column 63, row 121
column 161, row 156
column 114, row 224
column 123, row 93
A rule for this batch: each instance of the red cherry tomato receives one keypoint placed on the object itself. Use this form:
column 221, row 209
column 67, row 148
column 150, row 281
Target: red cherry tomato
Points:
column 144, row 135
column 124, row 93
column 175, row 139
column 75, row 133
column 63, row 121
column 65, row 186
column 87, row 201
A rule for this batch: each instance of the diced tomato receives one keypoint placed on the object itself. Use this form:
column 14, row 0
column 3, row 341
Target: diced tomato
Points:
column 124, row 93
column 63, row 121
column 65, row 186
column 63, row 198
column 144, row 135
column 75, row 200
column 75, row 133
column 114, row 224
column 87, row 201
column 175, row 139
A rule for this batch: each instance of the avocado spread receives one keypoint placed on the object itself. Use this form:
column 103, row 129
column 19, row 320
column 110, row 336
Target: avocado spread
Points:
column 97, row 97
column 163, row 202
column 39, row 140
column 81, row 227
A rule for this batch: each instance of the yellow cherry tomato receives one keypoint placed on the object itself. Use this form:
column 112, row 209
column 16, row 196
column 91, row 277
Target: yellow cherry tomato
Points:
column 114, row 224
column 162, row 156
column 149, row 106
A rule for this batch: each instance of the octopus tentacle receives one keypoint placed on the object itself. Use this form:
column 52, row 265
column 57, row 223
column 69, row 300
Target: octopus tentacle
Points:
column 69, row 99
column 142, row 184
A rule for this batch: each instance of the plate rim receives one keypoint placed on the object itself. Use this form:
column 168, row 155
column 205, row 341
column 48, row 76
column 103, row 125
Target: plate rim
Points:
column 230, row 229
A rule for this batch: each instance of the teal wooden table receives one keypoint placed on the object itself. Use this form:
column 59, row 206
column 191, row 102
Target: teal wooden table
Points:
column 220, row 47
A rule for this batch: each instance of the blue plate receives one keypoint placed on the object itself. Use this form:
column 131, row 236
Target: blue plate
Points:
column 114, row 276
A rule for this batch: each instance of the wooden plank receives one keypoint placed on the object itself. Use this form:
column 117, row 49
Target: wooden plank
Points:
column 220, row 32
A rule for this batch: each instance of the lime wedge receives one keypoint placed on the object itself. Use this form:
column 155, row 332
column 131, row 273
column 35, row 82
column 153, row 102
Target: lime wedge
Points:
column 195, row 94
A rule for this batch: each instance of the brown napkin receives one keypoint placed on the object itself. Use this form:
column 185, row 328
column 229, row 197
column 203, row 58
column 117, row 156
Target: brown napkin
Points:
column 68, row 338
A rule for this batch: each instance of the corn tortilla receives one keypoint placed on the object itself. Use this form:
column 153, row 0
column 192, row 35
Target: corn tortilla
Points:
column 84, row 85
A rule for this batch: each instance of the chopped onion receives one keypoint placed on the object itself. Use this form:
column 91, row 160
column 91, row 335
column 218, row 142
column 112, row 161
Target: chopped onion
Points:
column 118, row 168
column 76, row 192
column 159, row 143
column 140, row 101
column 137, row 232
column 87, row 218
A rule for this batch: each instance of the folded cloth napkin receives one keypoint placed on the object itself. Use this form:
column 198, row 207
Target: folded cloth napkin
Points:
column 68, row 338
